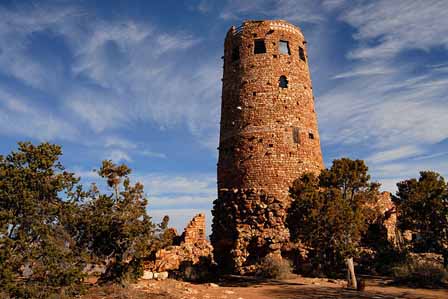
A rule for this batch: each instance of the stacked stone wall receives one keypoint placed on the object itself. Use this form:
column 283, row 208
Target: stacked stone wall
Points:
column 195, row 230
column 389, row 217
column 248, row 225
column 192, row 248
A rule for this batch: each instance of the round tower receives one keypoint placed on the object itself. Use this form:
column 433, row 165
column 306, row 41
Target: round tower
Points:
column 268, row 138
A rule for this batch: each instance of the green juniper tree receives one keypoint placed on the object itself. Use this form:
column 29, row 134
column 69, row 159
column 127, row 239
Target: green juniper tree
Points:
column 116, row 227
column 422, row 206
column 38, row 257
column 329, row 213
column 51, row 229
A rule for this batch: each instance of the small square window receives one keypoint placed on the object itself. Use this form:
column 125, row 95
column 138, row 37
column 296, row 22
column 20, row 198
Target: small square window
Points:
column 259, row 46
column 311, row 135
column 284, row 47
column 302, row 54
column 235, row 54
column 283, row 82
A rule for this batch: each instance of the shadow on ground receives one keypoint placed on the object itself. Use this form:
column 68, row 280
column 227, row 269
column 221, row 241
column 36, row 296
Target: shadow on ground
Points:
column 253, row 281
column 377, row 288
column 321, row 292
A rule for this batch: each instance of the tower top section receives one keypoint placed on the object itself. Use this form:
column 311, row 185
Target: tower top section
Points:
column 273, row 25
column 269, row 134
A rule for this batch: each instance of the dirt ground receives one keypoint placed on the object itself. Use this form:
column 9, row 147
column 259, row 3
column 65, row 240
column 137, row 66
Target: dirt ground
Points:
column 246, row 288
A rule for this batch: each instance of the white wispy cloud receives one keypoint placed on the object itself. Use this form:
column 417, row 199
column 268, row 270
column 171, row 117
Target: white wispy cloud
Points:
column 381, row 106
column 181, row 196
column 391, row 173
column 431, row 156
column 293, row 10
column 97, row 110
column 152, row 154
column 362, row 111
column 20, row 116
column 114, row 141
column 117, row 156
column 398, row 25
column 381, row 101
column 123, row 70
column 87, row 175
column 121, row 149
column 160, row 184
column 204, row 6
column 394, row 154
column 333, row 4
column 365, row 71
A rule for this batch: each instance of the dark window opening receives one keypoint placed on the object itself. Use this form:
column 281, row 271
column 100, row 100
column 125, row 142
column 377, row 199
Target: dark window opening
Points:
column 295, row 135
column 254, row 93
column 283, row 82
column 284, row 47
column 302, row 54
column 235, row 54
column 259, row 46
column 311, row 135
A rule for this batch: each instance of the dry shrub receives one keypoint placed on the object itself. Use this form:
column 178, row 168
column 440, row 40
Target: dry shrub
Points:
column 275, row 267
column 420, row 274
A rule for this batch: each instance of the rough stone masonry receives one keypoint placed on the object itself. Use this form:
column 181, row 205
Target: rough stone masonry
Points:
column 192, row 247
column 268, row 138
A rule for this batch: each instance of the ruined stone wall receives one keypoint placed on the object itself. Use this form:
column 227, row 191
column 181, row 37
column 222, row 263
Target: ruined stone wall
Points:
column 268, row 136
column 388, row 210
column 192, row 248
column 195, row 230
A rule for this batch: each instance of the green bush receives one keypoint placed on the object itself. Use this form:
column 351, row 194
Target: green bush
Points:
column 51, row 228
column 420, row 274
column 274, row 267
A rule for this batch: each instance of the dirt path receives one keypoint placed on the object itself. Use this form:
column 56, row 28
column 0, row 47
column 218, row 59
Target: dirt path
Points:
column 246, row 288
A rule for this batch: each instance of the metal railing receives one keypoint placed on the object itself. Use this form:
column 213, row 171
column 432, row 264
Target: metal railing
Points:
column 238, row 30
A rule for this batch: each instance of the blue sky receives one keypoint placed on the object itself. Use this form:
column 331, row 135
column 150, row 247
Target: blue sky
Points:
column 139, row 82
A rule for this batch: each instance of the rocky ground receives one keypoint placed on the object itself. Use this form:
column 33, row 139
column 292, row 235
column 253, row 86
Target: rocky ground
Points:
column 246, row 288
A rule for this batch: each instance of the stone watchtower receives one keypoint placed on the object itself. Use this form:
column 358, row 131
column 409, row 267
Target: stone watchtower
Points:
column 268, row 138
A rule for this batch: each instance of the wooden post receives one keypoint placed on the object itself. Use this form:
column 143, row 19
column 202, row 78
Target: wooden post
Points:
column 351, row 277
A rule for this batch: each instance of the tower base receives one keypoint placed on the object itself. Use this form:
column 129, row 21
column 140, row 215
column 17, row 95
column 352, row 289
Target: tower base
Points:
column 248, row 225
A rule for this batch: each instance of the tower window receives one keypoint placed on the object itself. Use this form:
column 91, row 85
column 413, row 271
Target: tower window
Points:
column 235, row 54
column 259, row 46
column 283, row 82
column 311, row 135
column 295, row 135
column 302, row 54
column 284, row 47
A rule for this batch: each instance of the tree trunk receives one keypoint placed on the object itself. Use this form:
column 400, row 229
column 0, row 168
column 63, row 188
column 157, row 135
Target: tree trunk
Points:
column 351, row 278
